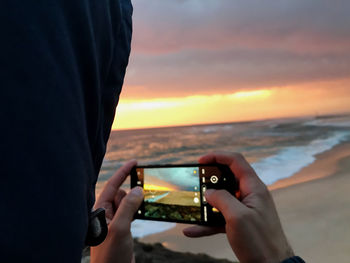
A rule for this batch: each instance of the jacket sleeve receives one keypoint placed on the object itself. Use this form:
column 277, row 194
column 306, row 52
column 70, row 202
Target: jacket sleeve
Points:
column 294, row 259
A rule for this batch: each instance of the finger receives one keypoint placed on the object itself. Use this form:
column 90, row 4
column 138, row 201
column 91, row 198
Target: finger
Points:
column 227, row 204
column 129, row 205
column 118, row 198
column 111, row 207
column 236, row 161
column 113, row 184
column 201, row 231
column 248, row 180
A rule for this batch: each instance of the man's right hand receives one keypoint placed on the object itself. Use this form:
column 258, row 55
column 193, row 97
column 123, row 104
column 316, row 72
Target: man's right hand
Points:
column 252, row 226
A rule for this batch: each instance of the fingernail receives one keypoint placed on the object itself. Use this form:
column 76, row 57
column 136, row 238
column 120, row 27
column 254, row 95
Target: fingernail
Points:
column 209, row 192
column 137, row 191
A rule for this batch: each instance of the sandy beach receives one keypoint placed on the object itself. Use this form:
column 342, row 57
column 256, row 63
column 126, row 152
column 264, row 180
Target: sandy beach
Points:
column 314, row 210
column 316, row 214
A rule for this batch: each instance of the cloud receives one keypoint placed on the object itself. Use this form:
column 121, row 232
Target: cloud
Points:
column 199, row 46
column 180, row 178
column 164, row 26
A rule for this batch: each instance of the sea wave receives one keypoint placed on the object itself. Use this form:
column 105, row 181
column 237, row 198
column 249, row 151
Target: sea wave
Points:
column 156, row 198
column 339, row 124
column 291, row 160
column 277, row 148
column 337, row 121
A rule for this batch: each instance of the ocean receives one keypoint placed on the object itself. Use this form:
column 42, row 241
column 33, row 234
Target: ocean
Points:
column 276, row 149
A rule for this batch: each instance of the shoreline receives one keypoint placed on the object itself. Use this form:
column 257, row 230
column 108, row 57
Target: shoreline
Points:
column 325, row 165
column 298, row 212
column 315, row 214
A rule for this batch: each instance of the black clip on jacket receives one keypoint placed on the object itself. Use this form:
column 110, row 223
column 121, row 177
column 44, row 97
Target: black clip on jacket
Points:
column 98, row 228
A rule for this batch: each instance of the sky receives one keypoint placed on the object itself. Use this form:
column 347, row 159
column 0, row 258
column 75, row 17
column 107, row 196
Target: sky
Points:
column 206, row 61
column 172, row 179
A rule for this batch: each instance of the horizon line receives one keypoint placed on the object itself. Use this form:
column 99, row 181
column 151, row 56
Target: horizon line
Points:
column 341, row 114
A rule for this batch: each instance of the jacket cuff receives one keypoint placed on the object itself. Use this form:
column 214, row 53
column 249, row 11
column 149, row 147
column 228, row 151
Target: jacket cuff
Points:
column 294, row 259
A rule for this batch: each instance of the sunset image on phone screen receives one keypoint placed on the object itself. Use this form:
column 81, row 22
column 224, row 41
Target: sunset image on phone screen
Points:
column 172, row 193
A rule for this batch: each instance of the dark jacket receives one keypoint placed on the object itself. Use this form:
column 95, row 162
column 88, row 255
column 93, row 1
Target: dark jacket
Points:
column 62, row 65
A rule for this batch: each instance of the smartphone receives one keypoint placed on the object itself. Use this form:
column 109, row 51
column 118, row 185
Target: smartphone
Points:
column 175, row 193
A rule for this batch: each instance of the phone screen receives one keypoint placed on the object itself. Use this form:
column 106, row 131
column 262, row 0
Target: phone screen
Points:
column 176, row 193
column 172, row 193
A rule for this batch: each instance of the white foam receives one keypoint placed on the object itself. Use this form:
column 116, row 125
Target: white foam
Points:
column 142, row 228
column 292, row 159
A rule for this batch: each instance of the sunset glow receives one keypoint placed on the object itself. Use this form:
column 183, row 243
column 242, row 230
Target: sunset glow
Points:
column 239, row 106
column 255, row 94
column 151, row 187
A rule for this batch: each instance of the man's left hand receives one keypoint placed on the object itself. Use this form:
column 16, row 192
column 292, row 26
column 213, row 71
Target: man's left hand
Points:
column 120, row 209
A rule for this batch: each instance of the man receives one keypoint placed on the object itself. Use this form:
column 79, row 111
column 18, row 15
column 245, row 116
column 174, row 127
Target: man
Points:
column 62, row 65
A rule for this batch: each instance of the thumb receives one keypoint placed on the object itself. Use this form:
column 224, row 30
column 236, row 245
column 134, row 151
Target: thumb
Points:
column 126, row 210
column 227, row 204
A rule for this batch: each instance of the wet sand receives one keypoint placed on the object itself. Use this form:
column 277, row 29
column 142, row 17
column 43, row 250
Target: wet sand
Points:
column 316, row 214
column 314, row 207
column 326, row 164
